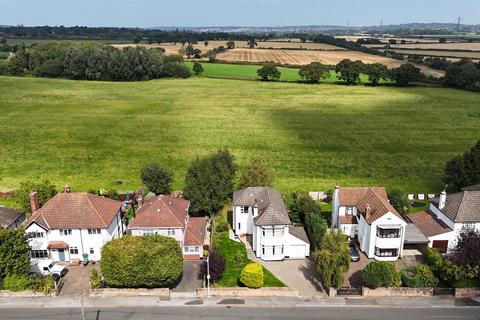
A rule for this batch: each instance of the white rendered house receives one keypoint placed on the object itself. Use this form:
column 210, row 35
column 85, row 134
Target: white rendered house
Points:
column 168, row 216
column 447, row 215
column 260, row 212
column 367, row 215
column 73, row 224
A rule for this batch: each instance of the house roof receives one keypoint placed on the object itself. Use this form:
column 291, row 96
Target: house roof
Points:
column 462, row 206
column 195, row 231
column 298, row 232
column 350, row 219
column 413, row 235
column 271, row 208
column 375, row 199
column 8, row 216
column 475, row 187
column 76, row 210
column 428, row 223
column 161, row 212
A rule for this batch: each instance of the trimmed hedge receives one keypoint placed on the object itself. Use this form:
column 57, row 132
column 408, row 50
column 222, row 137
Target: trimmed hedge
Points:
column 16, row 282
column 146, row 261
column 419, row 276
column 381, row 274
column 252, row 275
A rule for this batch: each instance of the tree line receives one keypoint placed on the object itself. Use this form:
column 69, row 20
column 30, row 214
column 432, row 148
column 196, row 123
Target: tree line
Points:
column 92, row 61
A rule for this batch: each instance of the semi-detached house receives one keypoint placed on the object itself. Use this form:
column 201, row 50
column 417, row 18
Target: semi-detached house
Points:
column 72, row 224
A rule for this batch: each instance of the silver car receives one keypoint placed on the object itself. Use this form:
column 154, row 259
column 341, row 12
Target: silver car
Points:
column 354, row 255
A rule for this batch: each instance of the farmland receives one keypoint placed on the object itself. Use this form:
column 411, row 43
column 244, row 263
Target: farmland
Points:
column 98, row 134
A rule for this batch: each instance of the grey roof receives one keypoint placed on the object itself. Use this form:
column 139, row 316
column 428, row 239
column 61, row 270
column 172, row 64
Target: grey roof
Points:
column 462, row 206
column 299, row 232
column 8, row 216
column 475, row 187
column 271, row 208
column 413, row 235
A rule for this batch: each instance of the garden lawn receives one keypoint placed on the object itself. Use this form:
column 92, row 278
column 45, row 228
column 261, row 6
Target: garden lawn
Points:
column 235, row 255
column 94, row 135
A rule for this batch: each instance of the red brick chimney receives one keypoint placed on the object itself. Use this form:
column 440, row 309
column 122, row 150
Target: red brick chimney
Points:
column 34, row 201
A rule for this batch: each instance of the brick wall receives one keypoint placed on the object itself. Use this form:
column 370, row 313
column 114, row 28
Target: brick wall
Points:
column 109, row 292
column 467, row 292
column 247, row 292
column 397, row 292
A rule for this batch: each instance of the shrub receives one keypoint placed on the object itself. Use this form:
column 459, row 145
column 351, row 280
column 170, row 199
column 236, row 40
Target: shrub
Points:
column 420, row 276
column 256, row 174
column 217, row 265
column 43, row 284
column 269, row 72
column 95, row 281
column 252, row 275
column 222, row 226
column 147, row 261
column 157, row 179
column 381, row 274
column 16, row 282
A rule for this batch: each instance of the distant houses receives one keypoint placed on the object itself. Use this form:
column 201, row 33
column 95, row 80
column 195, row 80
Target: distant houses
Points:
column 11, row 217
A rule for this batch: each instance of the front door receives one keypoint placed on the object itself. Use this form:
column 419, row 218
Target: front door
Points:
column 61, row 254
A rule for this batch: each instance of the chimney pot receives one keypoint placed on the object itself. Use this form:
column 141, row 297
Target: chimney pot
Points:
column 367, row 211
column 442, row 199
column 34, row 201
column 66, row 189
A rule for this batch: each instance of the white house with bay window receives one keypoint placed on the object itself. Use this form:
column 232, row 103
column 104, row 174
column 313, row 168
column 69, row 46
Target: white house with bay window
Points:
column 260, row 214
column 365, row 214
column 71, row 225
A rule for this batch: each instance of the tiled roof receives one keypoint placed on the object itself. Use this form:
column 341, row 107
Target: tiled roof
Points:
column 57, row 245
column 413, row 235
column 462, row 206
column 475, row 187
column 271, row 208
column 8, row 216
column 195, row 231
column 350, row 219
column 161, row 212
column 352, row 195
column 76, row 210
column 428, row 223
column 298, row 232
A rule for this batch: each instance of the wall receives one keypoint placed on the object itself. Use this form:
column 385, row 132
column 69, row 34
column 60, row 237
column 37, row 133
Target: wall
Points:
column 247, row 292
column 109, row 292
column 467, row 292
column 26, row 293
column 397, row 292
column 179, row 236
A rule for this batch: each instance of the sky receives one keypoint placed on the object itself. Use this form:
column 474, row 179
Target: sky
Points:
column 196, row 13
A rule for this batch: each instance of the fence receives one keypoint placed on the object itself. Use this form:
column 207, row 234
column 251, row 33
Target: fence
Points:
column 349, row 291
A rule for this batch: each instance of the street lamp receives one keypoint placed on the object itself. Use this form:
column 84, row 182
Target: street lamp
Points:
column 208, row 276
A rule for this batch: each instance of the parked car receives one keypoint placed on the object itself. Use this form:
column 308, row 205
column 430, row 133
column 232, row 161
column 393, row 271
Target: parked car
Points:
column 48, row 268
column 354, row 255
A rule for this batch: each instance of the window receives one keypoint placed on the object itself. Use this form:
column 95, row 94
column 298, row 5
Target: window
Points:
column 191, row 249
column 171, row 232
column 263, row 250
column 386, row 252
column 73, row 250
column 273, row 250
column 92, row 251
column 37, row 235
column 197, row 249
column 94, row 231
column 65, row 232
column 38, row 254
column 148, row 232
column 388, row 233
column 281, row 249
column 243, row 209
column 349, row 211
column 263, row 232
column 239, row 225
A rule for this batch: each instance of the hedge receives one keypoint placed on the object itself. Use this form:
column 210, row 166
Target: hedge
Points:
column 419, row 276
column 252, row 275
column 146, row 261
column 16, row 282
column 381, row 274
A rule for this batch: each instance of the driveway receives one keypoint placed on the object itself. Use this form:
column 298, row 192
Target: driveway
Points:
column 353, row 277
column 77, row 279
column 189, row 281
column 297, row 274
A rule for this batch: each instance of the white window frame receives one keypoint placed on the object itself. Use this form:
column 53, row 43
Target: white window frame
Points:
column 171, row 231
column 65, row 232
column 73, row 250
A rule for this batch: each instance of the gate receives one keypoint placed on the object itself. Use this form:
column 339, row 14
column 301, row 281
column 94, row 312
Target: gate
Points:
column 443, row 291
column 349, row 291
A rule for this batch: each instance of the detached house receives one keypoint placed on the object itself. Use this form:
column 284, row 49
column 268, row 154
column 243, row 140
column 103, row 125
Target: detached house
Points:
column 366, row 214
column 72, row 224
column 168, row 216
column 260, row 213
column 447, row 215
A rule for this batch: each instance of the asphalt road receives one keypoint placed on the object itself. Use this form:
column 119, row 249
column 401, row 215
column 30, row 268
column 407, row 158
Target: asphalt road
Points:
column 244, row 312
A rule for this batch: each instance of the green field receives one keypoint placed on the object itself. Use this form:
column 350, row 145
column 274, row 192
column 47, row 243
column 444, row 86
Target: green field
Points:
column 241, row 71
column 29, row 41
column 98, row 134
column 4, row 55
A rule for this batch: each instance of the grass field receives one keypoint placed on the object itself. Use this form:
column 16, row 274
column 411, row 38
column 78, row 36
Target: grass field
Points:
column 98, row 134
column 29, row 42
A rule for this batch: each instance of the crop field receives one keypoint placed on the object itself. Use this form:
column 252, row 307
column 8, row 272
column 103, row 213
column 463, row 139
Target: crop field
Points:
column 438, row 53
column 302, row 57
column 467, row 46
column 29, row 42
column 98, row 134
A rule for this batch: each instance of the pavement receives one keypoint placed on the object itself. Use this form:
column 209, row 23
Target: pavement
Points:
column 190, row 281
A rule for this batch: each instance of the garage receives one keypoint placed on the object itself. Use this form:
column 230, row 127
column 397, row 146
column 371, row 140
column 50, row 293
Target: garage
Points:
column 298, row 246
column 441, row 245
column 297, row 251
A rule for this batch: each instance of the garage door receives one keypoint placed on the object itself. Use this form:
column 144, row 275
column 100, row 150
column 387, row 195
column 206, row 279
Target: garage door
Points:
column 441, row 245
column 296, row 251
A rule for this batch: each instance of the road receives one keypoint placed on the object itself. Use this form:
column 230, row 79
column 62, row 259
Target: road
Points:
column 243, row 312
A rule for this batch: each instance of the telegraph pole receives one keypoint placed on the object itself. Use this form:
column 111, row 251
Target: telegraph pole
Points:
column 459, row 22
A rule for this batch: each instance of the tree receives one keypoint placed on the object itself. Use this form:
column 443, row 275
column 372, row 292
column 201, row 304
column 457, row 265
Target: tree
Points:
column 217, row 265
column 252, row 43
column 14, row 258
column 463, row 171
column 189, row 51
column 206, row 43
column 442, row 40
column 269, row 72
column 313, row 72
column 332, row 259
column 405, row 74
column 209, row 182
column 316, row 227
column 381, row 274
column 467, row 249
column 197, row 68
column 398, row 200
column 157, row 179
column 45, row 191
column 299, row 204
column 376, row 72
column 463, row 74
column 230, row 44
column 142, row 261
column 256, row 174
column 349, row 71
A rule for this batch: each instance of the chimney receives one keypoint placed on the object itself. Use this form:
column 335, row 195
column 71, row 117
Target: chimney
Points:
column 66, row 189
column 443, row 199
column 34, row 201
column 367, row 211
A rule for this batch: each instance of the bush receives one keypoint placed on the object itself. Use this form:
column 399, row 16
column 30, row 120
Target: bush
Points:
column 252, row 275
column 16, row 282
column 222, row 226
column 217, row 265
column 157, row 179
column 147, row 261
column 381, row 274
column 176, row 70
column 95, row 281
column 43, row 284
column 420, row 276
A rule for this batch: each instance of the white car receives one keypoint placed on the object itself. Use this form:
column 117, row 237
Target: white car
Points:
column 48, row 268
